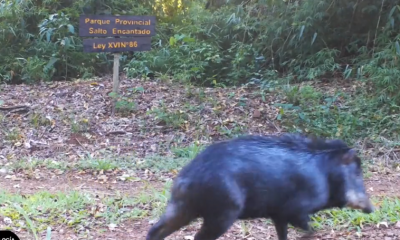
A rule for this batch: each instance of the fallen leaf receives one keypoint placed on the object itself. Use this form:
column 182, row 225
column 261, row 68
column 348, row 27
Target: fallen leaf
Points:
column 112, row 226
column 397, row 225
column 382, row 223
column 256, row 113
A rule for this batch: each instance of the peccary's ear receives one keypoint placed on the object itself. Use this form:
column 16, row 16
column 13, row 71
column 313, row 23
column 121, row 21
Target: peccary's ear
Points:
column 349, row 156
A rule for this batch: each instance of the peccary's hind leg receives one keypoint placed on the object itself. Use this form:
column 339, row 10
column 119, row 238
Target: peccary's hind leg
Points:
column 281, row 227
column 215, row 226
column 173, row 219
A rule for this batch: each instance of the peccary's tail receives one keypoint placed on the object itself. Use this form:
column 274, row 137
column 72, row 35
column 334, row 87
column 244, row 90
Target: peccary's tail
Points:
column 173, row 219
column 177, row 214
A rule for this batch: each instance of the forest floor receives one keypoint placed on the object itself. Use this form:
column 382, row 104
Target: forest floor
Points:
column 68, row 163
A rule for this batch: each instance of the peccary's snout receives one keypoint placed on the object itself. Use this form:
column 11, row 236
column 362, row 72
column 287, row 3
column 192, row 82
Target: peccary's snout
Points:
column 359, row 201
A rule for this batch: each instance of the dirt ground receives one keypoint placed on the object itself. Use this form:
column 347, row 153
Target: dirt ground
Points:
column 47, row 121
column 377, row 185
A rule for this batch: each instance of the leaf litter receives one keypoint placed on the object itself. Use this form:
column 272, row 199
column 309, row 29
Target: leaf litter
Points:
column 67, row 121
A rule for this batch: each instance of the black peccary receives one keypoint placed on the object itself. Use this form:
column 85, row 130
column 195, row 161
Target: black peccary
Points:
column 285, row 178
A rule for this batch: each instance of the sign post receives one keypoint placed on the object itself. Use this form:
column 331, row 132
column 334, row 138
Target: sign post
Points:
column 115, row 77
column 136, row 33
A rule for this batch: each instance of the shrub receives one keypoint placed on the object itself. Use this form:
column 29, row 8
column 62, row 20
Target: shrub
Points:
column 230, row 43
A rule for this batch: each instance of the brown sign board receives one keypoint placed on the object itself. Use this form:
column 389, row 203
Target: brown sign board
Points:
column 111, row 26
column 116, row 44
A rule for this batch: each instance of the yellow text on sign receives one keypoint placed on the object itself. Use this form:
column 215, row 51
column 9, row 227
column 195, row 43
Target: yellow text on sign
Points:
column 131, row 31
column 118, row 31
column 131, row 44
column 97, row 21
column 132, row 22
column 118, row 21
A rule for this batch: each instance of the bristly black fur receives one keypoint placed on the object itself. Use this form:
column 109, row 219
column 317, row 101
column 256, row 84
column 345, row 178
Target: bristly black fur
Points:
column 301, row 142
column 316, row 144
column 313, row 143
column 298, row 142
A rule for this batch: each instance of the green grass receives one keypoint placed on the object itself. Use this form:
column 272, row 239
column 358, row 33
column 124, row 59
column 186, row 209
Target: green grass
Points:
column 43, row 209
column 33, row 163
column 154, row 163
column 387, row 210
column 36, row 212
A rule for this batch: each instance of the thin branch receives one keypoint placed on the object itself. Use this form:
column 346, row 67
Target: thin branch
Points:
column 377, row 27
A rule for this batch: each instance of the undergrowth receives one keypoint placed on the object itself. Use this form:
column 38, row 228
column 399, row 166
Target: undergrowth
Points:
column 227, row 44
column 350, row 115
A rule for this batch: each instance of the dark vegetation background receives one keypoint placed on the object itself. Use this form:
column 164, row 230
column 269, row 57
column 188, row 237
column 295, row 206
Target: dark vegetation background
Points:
column 265, row 42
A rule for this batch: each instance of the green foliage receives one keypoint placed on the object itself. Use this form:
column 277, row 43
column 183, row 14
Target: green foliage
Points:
column 38, row 44
column 263, row 40
column 188, row 152
column 338, row 114
column 181, row 56
column 229, row 43
column 40, row 39
column 174, row 119
column 123, row 104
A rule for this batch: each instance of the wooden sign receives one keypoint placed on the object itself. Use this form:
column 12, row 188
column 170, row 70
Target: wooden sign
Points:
column 135, row 33
column 117, row 44
column 111, row 26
